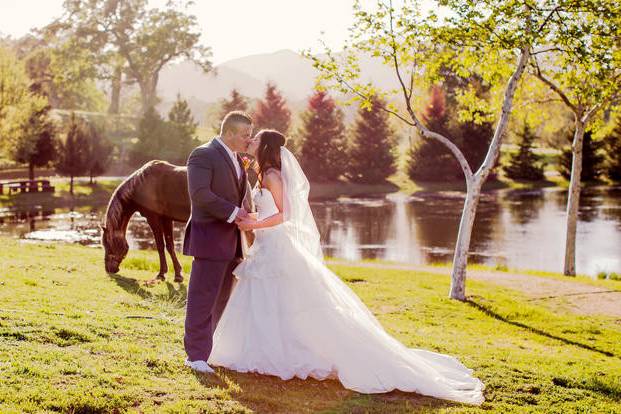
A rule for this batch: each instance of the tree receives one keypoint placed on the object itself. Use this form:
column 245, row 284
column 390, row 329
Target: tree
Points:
column 73, row 152
column 27, row 133
column 183, row 129
column 272, row 111
column 481, row 36
column 136, row 40
column 525, row 164
column 171, row 140
column 582, row 67
column 237, row 102
column 152, row 136
column 592, row 158
column 430, row 160
column 44, row 135
column 60, row 70
column 99, row 153
column 323, row 134
column 613, row 153
column 371, row 155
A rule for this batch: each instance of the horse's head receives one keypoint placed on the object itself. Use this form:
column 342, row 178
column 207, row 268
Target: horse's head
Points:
column 116, row 247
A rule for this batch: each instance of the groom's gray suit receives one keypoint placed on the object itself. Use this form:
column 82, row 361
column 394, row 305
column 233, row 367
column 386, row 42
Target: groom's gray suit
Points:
column 214, row 243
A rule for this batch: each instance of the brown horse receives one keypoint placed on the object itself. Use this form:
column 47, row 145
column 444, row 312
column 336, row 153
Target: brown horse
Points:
column 159, row 192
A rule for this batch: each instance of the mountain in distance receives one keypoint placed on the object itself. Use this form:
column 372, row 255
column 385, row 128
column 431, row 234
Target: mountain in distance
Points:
column 293, row 74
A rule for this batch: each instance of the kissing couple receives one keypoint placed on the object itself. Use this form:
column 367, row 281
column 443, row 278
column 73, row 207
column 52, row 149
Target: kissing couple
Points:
column 288, row 314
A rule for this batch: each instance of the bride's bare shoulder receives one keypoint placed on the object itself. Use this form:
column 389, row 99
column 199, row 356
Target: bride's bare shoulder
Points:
column 272, row 180
column 272, row 176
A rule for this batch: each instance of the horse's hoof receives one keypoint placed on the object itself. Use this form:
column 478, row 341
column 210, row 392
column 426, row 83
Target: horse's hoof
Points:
column 178, row 278
column 157, row 279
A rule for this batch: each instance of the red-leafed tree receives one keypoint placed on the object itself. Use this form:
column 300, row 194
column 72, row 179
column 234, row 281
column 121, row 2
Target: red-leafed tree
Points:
column 272, row 111
column 371, row 156
column 430, row 160
column 323, row 135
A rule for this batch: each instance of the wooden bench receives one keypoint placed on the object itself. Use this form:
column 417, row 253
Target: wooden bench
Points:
column 27, row 186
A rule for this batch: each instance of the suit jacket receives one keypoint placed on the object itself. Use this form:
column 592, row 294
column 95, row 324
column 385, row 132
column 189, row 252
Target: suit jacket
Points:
column 214, row 193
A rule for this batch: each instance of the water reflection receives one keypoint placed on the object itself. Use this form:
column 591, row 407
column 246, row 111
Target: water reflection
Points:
column 522, row 229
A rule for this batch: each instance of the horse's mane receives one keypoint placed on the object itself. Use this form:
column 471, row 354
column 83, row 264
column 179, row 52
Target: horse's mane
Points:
column 124, row 192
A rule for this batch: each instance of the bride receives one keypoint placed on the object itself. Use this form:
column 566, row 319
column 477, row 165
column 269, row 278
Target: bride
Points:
column 290, row 316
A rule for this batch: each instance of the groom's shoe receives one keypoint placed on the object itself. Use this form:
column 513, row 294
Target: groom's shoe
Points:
column 199, row 366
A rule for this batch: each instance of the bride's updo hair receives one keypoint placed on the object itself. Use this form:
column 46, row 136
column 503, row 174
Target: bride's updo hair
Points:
column 268, row 153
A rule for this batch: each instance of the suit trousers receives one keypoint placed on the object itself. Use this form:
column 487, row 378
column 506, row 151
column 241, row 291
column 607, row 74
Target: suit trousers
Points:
column 208, row 292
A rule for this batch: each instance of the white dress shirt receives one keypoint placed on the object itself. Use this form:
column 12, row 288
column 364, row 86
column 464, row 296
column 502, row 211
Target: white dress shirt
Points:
column 238, row 170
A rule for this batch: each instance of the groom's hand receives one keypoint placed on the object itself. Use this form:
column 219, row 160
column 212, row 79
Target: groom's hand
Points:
column 241, row 215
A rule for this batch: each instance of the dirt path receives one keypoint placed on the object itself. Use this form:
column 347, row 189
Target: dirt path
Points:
column 578, row 297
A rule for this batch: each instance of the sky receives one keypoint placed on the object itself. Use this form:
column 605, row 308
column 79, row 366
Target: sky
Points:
column 232, row 28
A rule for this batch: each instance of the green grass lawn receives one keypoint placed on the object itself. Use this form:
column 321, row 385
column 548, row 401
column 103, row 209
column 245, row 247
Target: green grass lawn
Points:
column 77, row 340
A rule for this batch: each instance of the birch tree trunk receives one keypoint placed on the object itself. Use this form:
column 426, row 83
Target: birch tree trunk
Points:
column 573, row 200
column 475, row 184
column 462, row 245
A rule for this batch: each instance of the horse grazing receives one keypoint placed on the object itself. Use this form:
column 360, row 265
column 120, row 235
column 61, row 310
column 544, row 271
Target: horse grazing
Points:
column 159, row 192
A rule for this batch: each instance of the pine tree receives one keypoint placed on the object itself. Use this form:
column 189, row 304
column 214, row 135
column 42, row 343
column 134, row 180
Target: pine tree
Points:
column 473, row 140
column 237, row 102
column 183, row 130
column 525, row 164
column 428, row 160
column 99, row 152
column 371, row 156
column 272, row 111
column 613, row 153
column 592, row 158
column 72, row 160
column 153, row 132
column 323, row 136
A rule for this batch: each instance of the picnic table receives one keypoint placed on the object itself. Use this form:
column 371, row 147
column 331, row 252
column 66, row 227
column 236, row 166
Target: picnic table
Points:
column 27, row 186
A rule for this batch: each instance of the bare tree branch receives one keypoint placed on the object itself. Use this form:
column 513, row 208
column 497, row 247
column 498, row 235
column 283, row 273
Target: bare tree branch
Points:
column 553, row 86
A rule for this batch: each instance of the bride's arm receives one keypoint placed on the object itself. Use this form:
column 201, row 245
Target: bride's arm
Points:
column 273, row 182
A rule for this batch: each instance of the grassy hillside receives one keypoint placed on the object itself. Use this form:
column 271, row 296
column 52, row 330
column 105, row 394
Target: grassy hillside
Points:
column 74, row 339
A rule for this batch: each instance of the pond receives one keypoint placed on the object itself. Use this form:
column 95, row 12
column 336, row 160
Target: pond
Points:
column 514, row 228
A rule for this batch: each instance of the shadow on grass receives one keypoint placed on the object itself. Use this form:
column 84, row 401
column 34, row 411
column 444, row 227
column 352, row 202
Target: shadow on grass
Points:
column 490, row 312
column 270, row 394
column 176, row 294
column 611, row 390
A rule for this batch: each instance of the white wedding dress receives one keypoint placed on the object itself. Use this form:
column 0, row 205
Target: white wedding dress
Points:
column 290, row 316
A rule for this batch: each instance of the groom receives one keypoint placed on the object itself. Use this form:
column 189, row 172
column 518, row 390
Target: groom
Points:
column 217, row 185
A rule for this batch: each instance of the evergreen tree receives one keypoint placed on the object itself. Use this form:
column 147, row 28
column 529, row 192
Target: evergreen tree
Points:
column 99, row 152
column 592, row 158
column 153, row 132
column 613, row 153
column 183, row 129
column 473, row 140
column 272, row 111
column 323, row 134
column 428, row 160
column 525, row 164
column 371, row 156
column 73, row 153
column 237, row 102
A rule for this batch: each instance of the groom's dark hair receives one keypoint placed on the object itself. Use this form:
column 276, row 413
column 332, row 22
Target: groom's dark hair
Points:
column 233, row 119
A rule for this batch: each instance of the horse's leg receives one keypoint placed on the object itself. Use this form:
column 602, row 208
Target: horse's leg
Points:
column 167, row 225
column 155, row 221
